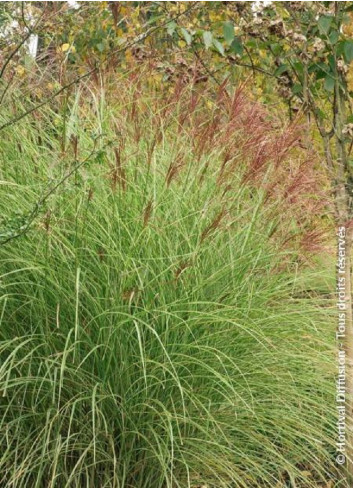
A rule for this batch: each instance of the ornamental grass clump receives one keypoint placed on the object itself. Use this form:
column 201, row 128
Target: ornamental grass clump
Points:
column 156, row 324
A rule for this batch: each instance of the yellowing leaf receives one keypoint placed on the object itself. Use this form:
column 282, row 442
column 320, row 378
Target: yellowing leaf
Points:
column 20, row 70
column 65, row 47
column 215, row 17
column 158, row 78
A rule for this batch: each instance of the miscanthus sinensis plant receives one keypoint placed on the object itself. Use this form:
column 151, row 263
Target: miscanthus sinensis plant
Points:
column 161, row 322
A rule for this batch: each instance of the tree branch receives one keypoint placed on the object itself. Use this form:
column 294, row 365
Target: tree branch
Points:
column 77, row 80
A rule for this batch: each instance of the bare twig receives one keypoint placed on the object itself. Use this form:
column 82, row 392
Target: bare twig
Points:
column 77, row 80
column 19, row 45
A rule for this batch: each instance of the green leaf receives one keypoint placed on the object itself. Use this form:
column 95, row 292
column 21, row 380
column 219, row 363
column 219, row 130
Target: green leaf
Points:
column 332, row 63
column 218, row 46
column 281, row 69
column 297, row 88
column 324, row 23
column 321, row 114
column 237, row 46
column 348, row 51
column 154, row 19
column 228, row 32
column 251, row 43
column 187, row 36
column 333, row 37
column 207, row 38
column 329, row 84
column 171, row 26
column 299, row 67
column 339, row 48
column 314, row 67
column 320, row 69
column 276, row 48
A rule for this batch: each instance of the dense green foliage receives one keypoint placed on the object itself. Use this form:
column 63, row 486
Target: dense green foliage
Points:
column 155, row 330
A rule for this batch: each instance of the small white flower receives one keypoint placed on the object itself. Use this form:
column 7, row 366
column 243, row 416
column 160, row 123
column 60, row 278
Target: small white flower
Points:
column 299, row 37
column 318, row 44
column 341, row 66
column 348, row 129
column 73, row 4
